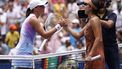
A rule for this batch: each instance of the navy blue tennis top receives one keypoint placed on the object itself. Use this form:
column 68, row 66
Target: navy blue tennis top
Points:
column 109, row 34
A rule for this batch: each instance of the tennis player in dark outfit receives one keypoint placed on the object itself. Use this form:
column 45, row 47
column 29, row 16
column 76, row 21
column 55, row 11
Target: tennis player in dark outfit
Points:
column 108, row 19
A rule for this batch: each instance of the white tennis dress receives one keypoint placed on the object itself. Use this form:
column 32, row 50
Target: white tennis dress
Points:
column 25, row 45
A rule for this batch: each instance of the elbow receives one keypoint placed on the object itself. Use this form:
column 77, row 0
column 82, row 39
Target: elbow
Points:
column 100, row 40
column 110, row 26
column 45, row 36
column 78, row 36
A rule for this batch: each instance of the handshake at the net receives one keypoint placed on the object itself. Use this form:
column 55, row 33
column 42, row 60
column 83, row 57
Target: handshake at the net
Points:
column 64, row 22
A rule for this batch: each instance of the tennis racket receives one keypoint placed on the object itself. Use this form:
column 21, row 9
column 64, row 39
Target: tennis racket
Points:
column 49, row 23
column 95, row 57
column 92, row 58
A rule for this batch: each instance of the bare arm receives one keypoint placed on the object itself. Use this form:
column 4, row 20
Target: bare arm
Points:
column 108, row 24
column 75, row 34
column 39, row 28
column 96, row 26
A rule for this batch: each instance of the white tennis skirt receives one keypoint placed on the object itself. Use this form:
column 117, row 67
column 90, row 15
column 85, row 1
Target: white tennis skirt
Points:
column 24, row 63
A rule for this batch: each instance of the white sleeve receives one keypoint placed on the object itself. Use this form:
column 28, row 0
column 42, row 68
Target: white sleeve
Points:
column 3, row 18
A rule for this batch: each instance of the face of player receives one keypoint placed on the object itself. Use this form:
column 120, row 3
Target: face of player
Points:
column 84, row 7
column 40, row 9
column 88, row 8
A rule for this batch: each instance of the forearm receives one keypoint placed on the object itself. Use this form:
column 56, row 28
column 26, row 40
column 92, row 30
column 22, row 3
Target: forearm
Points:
column 74, row 34
column 107, row 24
column 97, row 44
column 49, row 33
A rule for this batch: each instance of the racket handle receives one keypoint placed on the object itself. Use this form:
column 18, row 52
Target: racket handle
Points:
column 42, row 45
column 95, row 57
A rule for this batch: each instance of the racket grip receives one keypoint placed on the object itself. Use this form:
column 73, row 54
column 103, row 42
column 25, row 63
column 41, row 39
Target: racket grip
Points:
column 95, row 57
column 42, row 45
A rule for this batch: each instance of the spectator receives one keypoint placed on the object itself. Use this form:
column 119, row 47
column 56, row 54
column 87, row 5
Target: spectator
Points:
column 75, row 27
column 72, row 9
column 12, row 36
column 3, row 19
column 59, row 8
column 108, row 20
column 4, row 50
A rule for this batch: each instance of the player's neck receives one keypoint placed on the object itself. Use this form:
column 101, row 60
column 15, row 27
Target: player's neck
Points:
column 35, row 15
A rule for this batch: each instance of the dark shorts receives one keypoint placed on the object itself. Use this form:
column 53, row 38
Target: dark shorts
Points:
column 112, row 56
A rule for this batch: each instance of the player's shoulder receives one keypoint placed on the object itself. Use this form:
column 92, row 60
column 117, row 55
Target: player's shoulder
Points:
column 94, row 19
column 111, row 12
column 33, row 20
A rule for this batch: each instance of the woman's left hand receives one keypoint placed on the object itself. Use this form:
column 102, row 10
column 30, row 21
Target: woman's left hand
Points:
column 88, row 58
column 64, row 22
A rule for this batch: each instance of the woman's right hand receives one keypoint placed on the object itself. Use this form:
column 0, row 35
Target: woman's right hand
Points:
column 63, row 22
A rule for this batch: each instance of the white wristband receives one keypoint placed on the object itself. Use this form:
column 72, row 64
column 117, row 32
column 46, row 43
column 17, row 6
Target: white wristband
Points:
column 58, row 27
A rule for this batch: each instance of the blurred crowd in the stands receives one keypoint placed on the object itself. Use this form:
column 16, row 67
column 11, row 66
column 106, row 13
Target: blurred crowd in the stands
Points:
column 12, row 15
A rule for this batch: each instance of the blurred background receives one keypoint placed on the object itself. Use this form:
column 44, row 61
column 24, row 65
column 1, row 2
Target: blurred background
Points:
column 12, row 15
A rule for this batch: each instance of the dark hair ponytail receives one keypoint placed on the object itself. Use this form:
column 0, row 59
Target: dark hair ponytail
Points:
column 28, row 12
column 108, row 3
column 98, row 4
